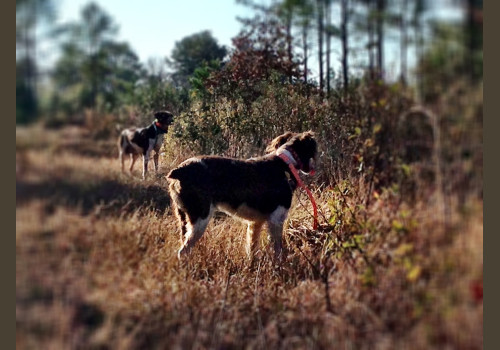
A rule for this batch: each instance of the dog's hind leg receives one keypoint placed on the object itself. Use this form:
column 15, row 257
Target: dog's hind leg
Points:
column 181, row 218
column 121, row 151
column 122, row 161
column 253, row 237
column 194, row 232
column 133, row 158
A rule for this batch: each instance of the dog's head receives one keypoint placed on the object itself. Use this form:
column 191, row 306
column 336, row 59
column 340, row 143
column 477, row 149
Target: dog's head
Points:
column 302, row 146
column 163, row 119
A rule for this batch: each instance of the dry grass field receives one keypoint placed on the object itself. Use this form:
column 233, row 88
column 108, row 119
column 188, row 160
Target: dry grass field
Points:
column 96, row 264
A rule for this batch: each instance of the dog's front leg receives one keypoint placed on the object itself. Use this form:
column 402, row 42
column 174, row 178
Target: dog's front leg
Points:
column 275, row 233
column 275, row 226
column 145, row 158
column 155, row 158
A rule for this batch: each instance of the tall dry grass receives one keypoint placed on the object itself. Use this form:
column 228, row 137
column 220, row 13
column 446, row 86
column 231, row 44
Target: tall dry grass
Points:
column 96, row 264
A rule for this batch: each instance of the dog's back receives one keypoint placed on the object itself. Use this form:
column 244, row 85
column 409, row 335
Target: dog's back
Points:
column 247, row 189
column 214, row 174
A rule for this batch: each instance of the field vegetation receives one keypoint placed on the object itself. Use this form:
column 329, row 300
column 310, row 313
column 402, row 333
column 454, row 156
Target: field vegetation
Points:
column 397, row 259
column 395, row 263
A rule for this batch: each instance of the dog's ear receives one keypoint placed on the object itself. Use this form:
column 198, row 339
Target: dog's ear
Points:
column 279, row 141
column 307, row 135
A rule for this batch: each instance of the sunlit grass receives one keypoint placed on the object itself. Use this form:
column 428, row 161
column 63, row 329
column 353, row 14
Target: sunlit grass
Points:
column 96, row 265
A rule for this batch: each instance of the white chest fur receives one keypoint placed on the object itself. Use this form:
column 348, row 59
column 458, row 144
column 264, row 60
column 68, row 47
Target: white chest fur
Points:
column 156, row 142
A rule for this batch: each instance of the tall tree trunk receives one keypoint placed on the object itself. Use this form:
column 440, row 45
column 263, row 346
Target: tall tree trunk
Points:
column 404, row 43
column 34, row 58
column 29, row 47
column 419, row 49
column 289, row 41
column 473, row 35
column 30, row 69
column 328, row 36
column 345, row 47
column 381, row 5
column 371, row 41
column 304, row 46
column 319, row 9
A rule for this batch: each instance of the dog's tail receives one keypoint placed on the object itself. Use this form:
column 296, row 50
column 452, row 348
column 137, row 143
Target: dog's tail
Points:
column 191, row 171
column 175, row 173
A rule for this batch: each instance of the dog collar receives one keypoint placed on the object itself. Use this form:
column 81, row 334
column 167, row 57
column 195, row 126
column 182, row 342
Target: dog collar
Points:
column 158, row 128
column 287, row 157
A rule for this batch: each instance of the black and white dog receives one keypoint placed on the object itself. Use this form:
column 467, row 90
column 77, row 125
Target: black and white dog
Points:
column 257, row 190
column 137, row 141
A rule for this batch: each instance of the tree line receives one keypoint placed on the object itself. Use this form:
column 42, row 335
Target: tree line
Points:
column 96, row 71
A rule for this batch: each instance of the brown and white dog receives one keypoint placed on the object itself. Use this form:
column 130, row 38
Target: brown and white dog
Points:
column 137, row 141
column 257, row 190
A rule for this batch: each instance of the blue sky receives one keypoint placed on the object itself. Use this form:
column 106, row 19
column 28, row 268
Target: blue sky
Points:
column 152, row 27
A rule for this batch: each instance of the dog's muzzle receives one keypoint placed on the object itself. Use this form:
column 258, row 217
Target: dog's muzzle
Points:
column 311, row 167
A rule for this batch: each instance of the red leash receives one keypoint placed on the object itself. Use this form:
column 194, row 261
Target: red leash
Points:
column 301, row 184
